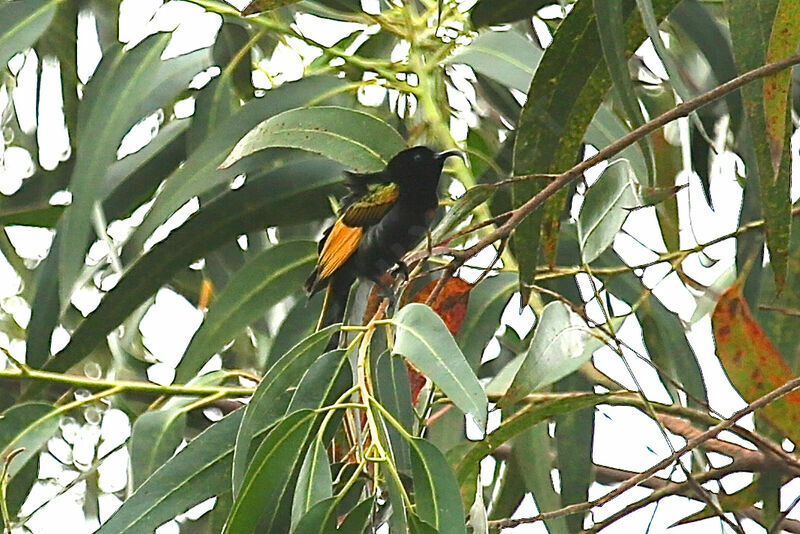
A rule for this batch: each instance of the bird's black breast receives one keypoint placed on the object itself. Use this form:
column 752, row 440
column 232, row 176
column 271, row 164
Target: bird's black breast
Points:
column 398, row 232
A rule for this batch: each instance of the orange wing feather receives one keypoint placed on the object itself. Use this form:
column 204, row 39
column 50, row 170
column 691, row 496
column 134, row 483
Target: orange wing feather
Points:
column 342, row 243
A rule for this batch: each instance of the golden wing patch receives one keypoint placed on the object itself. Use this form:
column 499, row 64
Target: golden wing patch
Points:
column 342, row 243
column 372, row 207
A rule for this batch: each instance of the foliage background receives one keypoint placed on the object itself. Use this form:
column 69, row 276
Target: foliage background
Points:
column 175, row 250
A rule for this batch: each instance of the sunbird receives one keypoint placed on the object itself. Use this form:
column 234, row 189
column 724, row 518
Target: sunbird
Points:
column 383, row 216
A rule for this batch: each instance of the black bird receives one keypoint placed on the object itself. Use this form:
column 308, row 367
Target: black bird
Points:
column 383, row 216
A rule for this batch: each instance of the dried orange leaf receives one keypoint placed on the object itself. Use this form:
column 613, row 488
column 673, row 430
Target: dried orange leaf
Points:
column 753, row 364
column 451, row 303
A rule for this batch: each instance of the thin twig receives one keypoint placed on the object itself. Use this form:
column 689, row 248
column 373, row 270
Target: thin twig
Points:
column 681, row 110
column 637, row 479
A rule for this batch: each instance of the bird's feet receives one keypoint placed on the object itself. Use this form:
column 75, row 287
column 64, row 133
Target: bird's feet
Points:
column 400, row 269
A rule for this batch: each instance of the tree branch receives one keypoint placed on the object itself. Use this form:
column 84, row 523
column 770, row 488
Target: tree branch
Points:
column 563, row 179
column 637, row 479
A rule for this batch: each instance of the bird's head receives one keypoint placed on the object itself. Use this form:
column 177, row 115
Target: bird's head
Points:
column 418, row 164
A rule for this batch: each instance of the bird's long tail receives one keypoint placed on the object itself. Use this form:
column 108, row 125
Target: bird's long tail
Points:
column 334, row 306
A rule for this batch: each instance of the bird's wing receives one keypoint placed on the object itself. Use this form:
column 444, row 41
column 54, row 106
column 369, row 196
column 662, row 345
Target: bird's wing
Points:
column 371, row 207
column 345, row 235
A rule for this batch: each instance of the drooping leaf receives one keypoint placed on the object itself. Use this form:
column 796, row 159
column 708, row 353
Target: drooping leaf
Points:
column 293, row 193
column 436, row 493
column 561, row 343
column 154, row 438
column 752, row 363
column 611, row 31
column 423, row 339
column 271, row 397
column 314, row 483
column 506, row 57
column 360, row 141
column 751, row 29
column 393, row 391
column 21, row 23
column 604, row 210
column 490, row 12
column 127, row 85
column 556, row 115
column 530, row 453
column 783, row 43
column 271, row 474
column 262, row 283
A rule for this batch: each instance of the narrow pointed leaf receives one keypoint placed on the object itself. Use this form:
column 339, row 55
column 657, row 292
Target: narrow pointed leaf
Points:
column 263, row 282
column 561, row 343
column 751, row 26
column 356, row 139
column 506, row 57
column 269, row 477
column 21, row 23
column 271, row 399
column 154, row 438
column 295, row 193
column 314, row 483
column 436, row 493
column 127, row 86
column 423, row 339
column 605, row 209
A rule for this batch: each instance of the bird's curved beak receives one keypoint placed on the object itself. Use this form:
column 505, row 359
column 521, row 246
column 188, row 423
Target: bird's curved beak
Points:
column 442, row 156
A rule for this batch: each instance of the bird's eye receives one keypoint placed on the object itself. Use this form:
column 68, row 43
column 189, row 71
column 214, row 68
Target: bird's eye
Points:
column 417, row 157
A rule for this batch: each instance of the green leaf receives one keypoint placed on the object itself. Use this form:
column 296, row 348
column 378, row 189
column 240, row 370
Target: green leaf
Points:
column 26, row 426
column 132, row 180
column 423, row 339
column 201, row 170
column 314, row 483
column 197, row 472
column 269, row 477
column 297, row 324
column 154, row 438
column 325, row 381
column 507, row 57
column 271, row 397
column 487, row 301
column 525, row 418
column 569, row 86
column 436, row 494
column 21, row 23
column 294, row 193
column 45, row 216
column 751, row 25
column 263, row 282
column 393, row 391
column 460, row 210
column 612, row 32
column 490, row 12
column 561, row 343
column 604, row 209
column 357, row 520
column 606, row 128
column 665, row 338
column 694, row 18
column 127, row 85
column 530, row 453
column 574, row 436
column 356, row 139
